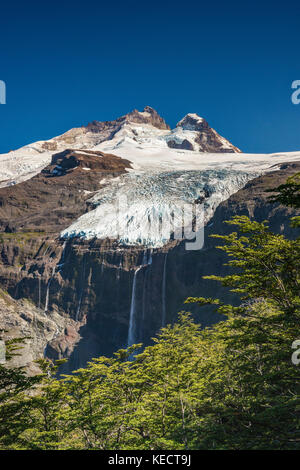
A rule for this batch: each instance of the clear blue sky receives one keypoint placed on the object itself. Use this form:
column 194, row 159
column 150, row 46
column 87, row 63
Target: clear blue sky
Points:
column 67, row 63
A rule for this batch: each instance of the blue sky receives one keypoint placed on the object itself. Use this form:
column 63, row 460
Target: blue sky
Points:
column 67, row 63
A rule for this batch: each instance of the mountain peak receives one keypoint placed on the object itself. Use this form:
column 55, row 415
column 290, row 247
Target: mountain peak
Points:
column 147, row 116
column 194, row 133
column 148, row 109
column 192, row 122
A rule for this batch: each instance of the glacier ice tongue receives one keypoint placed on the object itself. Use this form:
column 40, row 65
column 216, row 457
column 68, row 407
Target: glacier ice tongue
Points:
column 140, row 208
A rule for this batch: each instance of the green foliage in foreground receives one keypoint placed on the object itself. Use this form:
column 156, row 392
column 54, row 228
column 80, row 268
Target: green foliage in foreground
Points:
column 231, row 386
column 288, row 193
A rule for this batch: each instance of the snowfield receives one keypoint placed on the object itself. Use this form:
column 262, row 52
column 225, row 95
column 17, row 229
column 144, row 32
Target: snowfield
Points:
column 22, row 164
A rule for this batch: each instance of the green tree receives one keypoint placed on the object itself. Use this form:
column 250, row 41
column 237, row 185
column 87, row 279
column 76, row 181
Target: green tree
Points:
column 257, row 405
column 288, row 193
column 43, row 409
column 14, row 383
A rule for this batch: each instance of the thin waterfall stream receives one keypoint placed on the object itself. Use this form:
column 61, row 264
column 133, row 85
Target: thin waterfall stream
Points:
column 48, row 288
column 132, row 320
column 81, row 291
column 133, row 330
column 164, row 287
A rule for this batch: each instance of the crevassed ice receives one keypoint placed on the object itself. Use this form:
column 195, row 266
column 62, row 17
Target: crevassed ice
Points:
column 139, row 208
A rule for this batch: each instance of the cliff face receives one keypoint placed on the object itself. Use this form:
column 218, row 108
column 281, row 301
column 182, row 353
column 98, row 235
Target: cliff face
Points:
column 91, row 297
column 22, row 318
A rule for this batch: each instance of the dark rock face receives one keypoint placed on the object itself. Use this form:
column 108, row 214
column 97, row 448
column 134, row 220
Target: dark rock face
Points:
column 185, row 145
column 209, row 142
column 86, row 287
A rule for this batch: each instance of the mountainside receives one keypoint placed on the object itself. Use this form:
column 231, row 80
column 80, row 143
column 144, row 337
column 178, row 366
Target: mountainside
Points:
column 89, row 261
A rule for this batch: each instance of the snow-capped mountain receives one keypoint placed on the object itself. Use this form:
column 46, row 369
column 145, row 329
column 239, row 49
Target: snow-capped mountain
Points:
column 165, row 169
column 145, row 139
column 147, row 128
column 144, row 130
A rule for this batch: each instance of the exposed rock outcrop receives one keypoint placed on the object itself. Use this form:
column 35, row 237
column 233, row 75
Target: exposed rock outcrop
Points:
column 23, row 319
column 184, row 144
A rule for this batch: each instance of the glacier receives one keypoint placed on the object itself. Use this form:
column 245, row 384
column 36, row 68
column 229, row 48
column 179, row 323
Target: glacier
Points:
column 145, row 208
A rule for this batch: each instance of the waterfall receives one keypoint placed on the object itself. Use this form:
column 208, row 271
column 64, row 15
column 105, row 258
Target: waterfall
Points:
column 62, row 258
column 135, row 330
column 132, row 318
column 147, row 261
column 150, row 257
column 81, row 292
column 63, row 251
column 48, row 287
column 39, row 278
column 78, row 307
column 47, row 297
column 119, row 269
column 144, row 306
column 164, row 285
